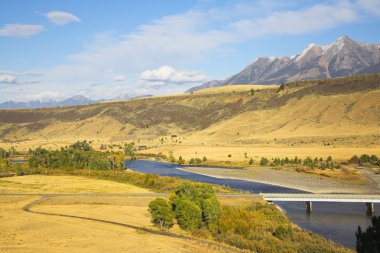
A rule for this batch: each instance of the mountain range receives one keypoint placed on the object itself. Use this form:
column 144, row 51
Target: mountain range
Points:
column 72, row 101
column 344, row 57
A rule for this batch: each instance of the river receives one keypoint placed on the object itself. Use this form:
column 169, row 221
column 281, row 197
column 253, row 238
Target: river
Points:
column 335, row 221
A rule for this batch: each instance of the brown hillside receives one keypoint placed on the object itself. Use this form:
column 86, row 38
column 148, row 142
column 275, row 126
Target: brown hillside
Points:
column 342, row 111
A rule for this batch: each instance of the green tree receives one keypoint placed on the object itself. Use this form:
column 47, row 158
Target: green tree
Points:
column 162, row 213
column 204, row 159
column 211, row 211
column 81, row 145
column 355, row 159
column 369, row 241
column 252, row 91
column 251, row 161
column 188, row 214
column 129, row 150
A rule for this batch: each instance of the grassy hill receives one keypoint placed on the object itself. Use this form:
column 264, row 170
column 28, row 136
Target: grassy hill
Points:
column 333, row 116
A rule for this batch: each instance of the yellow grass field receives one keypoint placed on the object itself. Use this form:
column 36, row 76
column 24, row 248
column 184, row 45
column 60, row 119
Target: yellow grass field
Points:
column 21, row 231
column 64, row 184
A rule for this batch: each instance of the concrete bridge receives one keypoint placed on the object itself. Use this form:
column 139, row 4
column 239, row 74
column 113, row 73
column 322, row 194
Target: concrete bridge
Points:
column 369, row 200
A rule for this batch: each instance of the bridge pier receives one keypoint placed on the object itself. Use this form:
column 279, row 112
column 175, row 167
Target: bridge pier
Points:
column 309, row 206
column 370, row 208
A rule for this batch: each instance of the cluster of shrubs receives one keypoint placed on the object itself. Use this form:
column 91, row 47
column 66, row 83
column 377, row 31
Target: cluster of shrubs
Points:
column 320, row 163
column 193, row 206
column 197, row 160
column 79, row 155
column 307, row 162
column 365, row 160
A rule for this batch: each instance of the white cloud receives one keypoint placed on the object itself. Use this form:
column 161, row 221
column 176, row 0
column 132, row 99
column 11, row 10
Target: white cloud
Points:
column 10, row 77
column 167, row 74
column 371, row 6
column 44, row 95
column 316, row 18
column 61, row 17
column 20, row 30
column 7, row 78
column 119, row 78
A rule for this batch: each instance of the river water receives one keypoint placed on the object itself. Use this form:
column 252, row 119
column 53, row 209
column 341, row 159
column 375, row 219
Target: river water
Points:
column 335, row 221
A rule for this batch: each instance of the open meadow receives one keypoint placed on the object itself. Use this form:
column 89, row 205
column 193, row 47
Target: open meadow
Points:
column 23, row 231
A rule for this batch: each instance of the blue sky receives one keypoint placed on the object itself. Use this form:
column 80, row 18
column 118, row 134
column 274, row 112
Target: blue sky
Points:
column 108, row 49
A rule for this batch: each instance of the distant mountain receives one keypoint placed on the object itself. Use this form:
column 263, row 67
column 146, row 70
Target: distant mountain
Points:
column 72, row 101
column 344, row 57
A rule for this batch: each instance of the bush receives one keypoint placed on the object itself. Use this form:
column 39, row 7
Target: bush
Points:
column 188, row 214
column 251, row 161
column 281, row 232
column 264, row 161
column 195, row 161
column 161, row 212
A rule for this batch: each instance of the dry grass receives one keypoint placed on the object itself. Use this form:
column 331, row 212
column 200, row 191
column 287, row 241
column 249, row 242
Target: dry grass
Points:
column 235, row 88
column 320, row 120
column 64, row 184
column 25, row 232
column 28, row 232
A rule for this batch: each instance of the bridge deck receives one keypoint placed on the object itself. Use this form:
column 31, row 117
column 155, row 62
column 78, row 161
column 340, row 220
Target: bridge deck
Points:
column 290, row 197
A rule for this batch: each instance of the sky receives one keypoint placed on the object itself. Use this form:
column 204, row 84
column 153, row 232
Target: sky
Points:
column 105, row 49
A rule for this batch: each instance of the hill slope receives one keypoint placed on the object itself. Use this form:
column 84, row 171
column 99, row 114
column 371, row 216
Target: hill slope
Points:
column 344, row 57
column 341, row 112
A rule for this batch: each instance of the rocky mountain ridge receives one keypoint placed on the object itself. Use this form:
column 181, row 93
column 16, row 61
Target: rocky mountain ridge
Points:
column 344, row 57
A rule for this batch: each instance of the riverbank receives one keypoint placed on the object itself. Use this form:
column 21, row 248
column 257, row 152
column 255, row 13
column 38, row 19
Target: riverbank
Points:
column 289, row 179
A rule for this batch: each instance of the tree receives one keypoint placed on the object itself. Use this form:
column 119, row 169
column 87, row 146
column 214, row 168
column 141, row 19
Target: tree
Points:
column 210, row 211
column 81, row 145
column 171, row 157
column 264, row 161
column 161, row 212
column 365, row 158
column 181, row 160
column 188, row 214
column 252, row 91
column 374, row 159
column 355, row 159
column 369, row 241
column 251, row 161
column 130, row 150
column 204, row 159
column 282, row 87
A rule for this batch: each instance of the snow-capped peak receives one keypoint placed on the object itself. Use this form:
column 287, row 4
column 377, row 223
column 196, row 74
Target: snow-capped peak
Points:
column 305, row 51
